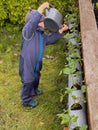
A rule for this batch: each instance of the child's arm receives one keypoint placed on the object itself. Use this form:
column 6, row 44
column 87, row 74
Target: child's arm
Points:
column 53, row 37
column 32, row 24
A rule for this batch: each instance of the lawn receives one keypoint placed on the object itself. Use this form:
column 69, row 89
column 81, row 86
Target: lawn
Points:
column 13, row 116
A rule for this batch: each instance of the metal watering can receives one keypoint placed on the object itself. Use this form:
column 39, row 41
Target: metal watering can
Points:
column 53, row 19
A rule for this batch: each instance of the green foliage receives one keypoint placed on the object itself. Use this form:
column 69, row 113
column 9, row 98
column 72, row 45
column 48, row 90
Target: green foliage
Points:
column 3, row 13
column 66, row 92
column 83, row 88
column 66, row 118
column 64, row 6
column 14, row 11
column 69, row 90
column 69, row 69
column 96, row 5
column 72, row 56
column 84, row 127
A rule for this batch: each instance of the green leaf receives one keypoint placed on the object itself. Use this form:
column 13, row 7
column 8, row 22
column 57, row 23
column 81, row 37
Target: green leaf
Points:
column 74, row 97
column 83, row 88
column 8, row 50
column 69, row 35
column 84, row 127
column 69, row 90
column 69, row 70
column 61, row 98
column 60, row 72
column 96, row 5
column 74, row 118
column 65, row 118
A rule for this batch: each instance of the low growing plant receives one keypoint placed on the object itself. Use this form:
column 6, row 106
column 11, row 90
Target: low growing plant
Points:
column 72, row 58
column 66, row 118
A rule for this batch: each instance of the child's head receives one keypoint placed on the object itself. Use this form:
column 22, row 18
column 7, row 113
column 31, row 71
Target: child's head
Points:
column 28, row 17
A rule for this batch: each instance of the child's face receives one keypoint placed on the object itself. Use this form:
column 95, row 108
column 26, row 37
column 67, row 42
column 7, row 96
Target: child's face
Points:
column 41, row 24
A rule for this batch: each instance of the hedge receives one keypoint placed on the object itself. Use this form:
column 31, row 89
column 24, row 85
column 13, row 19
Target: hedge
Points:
column 14, row 11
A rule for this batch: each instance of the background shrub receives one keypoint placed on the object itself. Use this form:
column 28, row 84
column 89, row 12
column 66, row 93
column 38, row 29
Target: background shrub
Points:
column 14, row 11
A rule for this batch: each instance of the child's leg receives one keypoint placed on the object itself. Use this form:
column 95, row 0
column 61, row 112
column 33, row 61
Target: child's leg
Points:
column 35, row 86
column 37, row 80
column 26, row 95
column 26, row 92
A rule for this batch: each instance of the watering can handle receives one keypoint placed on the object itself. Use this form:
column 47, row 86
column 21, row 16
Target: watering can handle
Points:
column 51, row 6
column 47, row 10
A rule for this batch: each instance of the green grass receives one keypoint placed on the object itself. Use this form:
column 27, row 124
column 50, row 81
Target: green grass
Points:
column 13, row 116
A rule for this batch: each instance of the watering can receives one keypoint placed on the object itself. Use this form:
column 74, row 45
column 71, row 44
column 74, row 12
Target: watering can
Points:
column 53, row 19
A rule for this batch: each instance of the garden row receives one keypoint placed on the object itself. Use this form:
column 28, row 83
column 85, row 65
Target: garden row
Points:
column 75, row 116
column 82, row 73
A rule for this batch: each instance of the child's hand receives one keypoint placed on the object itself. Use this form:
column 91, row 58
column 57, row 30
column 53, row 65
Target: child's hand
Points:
column 64, row 28
column 43, row 7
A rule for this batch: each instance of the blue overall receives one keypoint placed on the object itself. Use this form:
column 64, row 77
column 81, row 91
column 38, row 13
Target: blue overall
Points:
column 34, row 41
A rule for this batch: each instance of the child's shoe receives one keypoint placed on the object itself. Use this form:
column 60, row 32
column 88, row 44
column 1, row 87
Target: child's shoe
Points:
column 32, row 103
column 39, row 92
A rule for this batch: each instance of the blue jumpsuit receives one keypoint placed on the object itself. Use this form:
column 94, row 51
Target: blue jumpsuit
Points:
column 29, row 55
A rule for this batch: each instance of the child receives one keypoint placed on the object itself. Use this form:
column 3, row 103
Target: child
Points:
column 33, row 46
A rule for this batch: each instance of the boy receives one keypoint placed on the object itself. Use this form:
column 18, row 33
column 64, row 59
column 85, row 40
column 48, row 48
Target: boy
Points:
column 33, row 46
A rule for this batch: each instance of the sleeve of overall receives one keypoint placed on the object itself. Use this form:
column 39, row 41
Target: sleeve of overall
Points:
column 31, row 26
column 52, row 38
